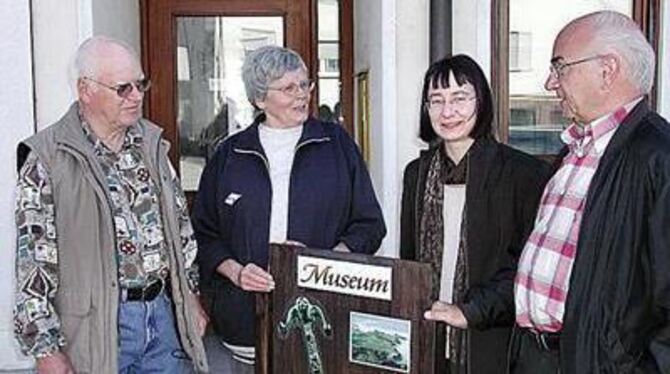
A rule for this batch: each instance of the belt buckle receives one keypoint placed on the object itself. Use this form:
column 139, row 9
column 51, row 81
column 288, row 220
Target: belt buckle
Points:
column 541, row 340
column 151, row 291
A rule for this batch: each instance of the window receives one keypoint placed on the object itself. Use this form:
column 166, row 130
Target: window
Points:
column 329, row 61
column 529, row 117
column 519, row 51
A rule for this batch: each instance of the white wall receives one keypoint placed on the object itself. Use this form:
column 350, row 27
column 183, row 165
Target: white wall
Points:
column 58, row 27
column 16, row 120
column 368, row 57
column 664, row 75
column 391, row 43
column 472, row 31
column 119, row 19
column 412, row 60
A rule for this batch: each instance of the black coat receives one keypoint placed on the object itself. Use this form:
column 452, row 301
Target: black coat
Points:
column 503, row 189
column 618, row 306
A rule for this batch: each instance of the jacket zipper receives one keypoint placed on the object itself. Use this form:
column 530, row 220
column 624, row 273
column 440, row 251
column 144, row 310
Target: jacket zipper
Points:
column 295, row 155
column 267, row 174
column 267, row 168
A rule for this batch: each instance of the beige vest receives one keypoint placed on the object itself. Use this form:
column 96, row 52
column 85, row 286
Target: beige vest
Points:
column 88, row 295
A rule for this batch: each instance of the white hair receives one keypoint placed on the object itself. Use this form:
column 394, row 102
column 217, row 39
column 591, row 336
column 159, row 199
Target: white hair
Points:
column 616, row 31
column 266, row 64
column 86, row 59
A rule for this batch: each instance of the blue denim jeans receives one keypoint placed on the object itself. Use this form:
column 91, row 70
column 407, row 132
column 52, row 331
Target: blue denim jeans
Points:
column 148, row 341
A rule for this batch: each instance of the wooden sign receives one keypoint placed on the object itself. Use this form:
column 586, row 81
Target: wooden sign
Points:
column 336, row 313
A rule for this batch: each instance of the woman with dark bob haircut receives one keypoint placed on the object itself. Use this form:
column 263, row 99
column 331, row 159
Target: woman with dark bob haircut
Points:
column 468, row 204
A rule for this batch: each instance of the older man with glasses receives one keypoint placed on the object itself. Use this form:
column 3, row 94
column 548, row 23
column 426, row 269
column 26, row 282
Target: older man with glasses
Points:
column 106, row 278
column 592, row 290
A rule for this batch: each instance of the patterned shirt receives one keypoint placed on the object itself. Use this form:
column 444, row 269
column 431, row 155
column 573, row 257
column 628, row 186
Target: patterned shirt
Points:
column 545, row 265
column 141, row 248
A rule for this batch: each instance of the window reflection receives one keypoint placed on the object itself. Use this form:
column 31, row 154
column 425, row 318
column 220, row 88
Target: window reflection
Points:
column 535, row 116
column 329, row 61
column 212, row 102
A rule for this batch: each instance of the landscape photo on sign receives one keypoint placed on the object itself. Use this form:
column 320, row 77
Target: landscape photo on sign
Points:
column 379, row 341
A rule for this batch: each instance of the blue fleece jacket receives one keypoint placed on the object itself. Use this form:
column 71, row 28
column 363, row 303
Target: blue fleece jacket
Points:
column 331, row 200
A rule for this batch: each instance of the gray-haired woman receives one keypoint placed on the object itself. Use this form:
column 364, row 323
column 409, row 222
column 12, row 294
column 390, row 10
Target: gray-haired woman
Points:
column 286, row 178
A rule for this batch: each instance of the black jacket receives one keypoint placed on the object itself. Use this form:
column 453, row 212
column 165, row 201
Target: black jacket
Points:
column 503, row 189
column 331, row 200
column 618, row 307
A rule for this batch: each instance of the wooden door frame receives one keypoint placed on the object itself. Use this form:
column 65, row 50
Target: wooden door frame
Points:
column 347, row 64
column 159, row 16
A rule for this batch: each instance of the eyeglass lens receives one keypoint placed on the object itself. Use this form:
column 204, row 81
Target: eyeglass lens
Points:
column 125, row 89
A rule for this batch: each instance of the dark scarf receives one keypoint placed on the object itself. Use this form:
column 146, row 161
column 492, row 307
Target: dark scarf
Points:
column 441, row 171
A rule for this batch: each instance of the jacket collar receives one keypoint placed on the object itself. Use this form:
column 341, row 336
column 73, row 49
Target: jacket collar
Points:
column 313, row 130
column 73, row 135
column 481, row 154
column 626, row 129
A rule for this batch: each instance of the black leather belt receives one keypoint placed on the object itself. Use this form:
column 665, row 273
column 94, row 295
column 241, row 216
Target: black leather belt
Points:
column 146, row 293
column 547, row 341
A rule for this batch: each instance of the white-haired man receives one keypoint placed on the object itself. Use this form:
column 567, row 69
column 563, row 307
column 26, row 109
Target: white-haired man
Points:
column 106, row 281
column 592, row 290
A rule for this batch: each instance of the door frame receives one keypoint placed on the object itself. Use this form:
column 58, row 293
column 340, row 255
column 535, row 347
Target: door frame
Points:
column 159, row 41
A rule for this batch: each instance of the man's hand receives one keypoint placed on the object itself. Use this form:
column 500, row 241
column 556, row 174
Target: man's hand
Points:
column 57, row 363
column 201, row 317
column 448, row 313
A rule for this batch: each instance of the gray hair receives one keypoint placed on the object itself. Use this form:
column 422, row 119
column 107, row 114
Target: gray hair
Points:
column 266, row 64
column 620, row 33
column 85, row 62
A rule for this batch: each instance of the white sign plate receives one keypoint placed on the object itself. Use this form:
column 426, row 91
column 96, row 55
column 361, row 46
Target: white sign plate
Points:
column 345, row 277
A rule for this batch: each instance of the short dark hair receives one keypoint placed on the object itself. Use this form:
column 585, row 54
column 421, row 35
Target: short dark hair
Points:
column 465, row 70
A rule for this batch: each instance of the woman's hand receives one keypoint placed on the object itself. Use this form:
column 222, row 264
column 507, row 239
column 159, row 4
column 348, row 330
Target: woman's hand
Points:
column 250, row 277
column 448, row 313
column 253, row 278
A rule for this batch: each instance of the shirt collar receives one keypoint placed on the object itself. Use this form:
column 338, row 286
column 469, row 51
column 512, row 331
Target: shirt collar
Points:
column 597, row 133
column 132, row 138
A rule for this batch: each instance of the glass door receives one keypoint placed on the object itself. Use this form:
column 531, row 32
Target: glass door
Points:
column 193, row 53
column 211, row 100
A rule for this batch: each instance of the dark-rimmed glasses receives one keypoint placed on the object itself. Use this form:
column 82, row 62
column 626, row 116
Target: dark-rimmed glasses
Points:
column 557, row 65
column 123, row 90
column 294, row 89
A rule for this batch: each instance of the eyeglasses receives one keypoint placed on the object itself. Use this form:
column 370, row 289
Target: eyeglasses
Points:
column 125, row 89
column 294, row 89
column 458, row 103
column 557, row 65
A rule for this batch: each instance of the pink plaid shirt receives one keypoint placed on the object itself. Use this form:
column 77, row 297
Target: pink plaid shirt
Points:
column 543, row 276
